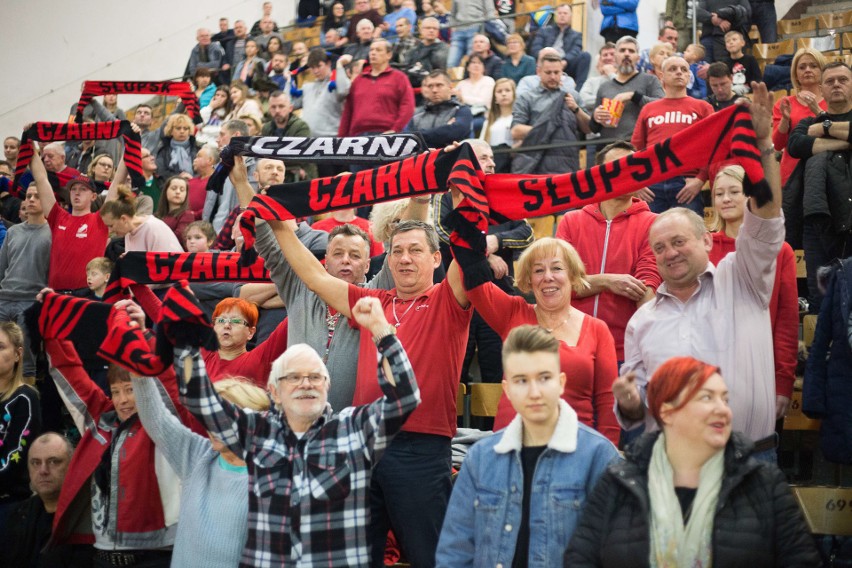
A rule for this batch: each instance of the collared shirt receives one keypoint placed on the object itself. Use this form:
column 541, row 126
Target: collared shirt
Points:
column 531, row 104
column 724, row 323
column 307, row 493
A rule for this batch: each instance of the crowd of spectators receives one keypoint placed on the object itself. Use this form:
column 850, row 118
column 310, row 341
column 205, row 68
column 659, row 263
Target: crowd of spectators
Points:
column 383, row 317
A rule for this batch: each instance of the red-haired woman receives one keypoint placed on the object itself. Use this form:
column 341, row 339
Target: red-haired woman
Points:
column 691, row 495
column 235, row 323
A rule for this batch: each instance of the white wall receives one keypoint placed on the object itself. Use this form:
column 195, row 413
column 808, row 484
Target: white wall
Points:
column 50, row 46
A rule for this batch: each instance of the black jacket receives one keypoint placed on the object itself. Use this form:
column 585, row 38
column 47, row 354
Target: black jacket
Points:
column 757, row 523
column 164, row 156
column 432, row 121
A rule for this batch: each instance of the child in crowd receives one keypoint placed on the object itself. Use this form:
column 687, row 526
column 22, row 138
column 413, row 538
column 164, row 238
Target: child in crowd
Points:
column 200, row 236
column 743, row 67
column 173, row 207
column 694, row 55
column 97, row 275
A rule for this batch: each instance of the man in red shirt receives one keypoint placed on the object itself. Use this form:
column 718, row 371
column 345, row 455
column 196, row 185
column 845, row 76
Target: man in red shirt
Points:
column 77, row 237
column 411, row 485
column 660, row 120
column 380, row 99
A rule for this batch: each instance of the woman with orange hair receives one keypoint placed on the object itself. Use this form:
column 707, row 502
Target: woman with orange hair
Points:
column 691, row 495
column 235, row 323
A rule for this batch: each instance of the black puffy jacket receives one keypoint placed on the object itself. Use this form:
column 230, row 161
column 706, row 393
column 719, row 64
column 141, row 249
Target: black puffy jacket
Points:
column 757, row 523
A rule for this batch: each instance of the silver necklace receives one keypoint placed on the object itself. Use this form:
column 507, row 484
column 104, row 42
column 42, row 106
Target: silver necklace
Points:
column 552, row 329
column 399, row 318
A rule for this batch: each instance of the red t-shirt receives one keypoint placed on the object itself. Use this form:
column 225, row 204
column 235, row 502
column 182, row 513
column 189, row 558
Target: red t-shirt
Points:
column 663, row 118
column 254, row 365
column 433, row 329
column 590, row 366
column 75, row 241
column 329, row 223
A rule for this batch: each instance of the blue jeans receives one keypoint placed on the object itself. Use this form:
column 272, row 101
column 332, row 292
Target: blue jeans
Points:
column 409, row 493
column 764, row 17
column 460, row 44
column 578, row 68
column 665, row 197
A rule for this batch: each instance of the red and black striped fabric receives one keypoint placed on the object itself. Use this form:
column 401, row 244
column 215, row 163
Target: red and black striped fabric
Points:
column 126, row 345
column 138, row 267
column 725, row 135
column 182, row 89
column 62, row 131
column 183, row 323
column 81, row 321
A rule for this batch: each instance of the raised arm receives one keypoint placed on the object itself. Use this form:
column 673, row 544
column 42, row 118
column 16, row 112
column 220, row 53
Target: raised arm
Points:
column 761, row 116
column 45, row 191
column 333, row 291
column 181, row 447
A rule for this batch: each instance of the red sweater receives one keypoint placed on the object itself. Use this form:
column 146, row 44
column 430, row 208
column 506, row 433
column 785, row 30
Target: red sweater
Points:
column 619, row 246
column 255, row 365
column 783, row 311
column 798, row 111
column 377, row 104
column 590, row 365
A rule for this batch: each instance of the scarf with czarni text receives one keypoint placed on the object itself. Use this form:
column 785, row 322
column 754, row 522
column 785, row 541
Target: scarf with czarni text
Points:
column 62, row 131
column 724, row 136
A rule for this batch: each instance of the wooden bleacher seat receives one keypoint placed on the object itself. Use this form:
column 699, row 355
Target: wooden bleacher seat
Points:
column 543, row 226
column 778, row 95
column 796, row 419
column 801, row 270
column 484, row 398
column 808, row 327
column 456, row 73
column 801, row 27
column 832, row 21
column 827, row 510
column 460, row 394
column 770, row 51
column 823, row 43
column 846, row 40
column 709, row 218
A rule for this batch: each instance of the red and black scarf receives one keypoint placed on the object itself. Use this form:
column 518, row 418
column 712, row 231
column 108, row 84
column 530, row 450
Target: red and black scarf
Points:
column 62, row 131
column 726, row 135
column 167, row 267
column 180, row 89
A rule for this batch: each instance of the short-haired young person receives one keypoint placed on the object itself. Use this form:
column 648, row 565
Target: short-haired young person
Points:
column 519, row 493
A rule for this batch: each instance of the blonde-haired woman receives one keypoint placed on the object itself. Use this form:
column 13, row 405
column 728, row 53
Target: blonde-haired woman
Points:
column 20, row 421
column 101, row 170
column 729, row 202
column 177, row 149
column 806, row 74
column 497, row 130
column 242, row 104
column 659, row 53
column 214, row 496
column 552, row 271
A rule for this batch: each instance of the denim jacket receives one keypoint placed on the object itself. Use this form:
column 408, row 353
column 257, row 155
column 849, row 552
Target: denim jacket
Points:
column 490, row 486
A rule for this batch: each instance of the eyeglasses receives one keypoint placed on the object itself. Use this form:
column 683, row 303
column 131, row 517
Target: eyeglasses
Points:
column 232, row 321
column 294, row 379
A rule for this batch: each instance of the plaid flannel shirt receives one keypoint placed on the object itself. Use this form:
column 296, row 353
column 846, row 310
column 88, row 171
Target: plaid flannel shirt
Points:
column 308, row 496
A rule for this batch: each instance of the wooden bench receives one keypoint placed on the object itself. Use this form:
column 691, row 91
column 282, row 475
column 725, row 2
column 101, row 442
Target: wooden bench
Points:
column 800, row 27
column 484, row 399
column 827, row 510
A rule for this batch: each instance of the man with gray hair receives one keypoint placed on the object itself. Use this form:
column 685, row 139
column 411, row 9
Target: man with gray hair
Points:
column 206, row 53
column 360, row 50
column 29, row 526
column 309, row 469
column 629, row 87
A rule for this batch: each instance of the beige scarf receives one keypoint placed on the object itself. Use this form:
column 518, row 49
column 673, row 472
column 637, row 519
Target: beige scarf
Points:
column 674, row 545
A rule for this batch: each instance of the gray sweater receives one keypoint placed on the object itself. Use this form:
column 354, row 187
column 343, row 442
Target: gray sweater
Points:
column 214, row 496
column 465, row 11
column 645, row 84
column 307, row 319
column 24, row 260
column 322, row 108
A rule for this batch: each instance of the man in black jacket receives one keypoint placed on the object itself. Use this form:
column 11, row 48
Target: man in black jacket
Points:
column 30, row 524
column 443, row 119
column 827, row 215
